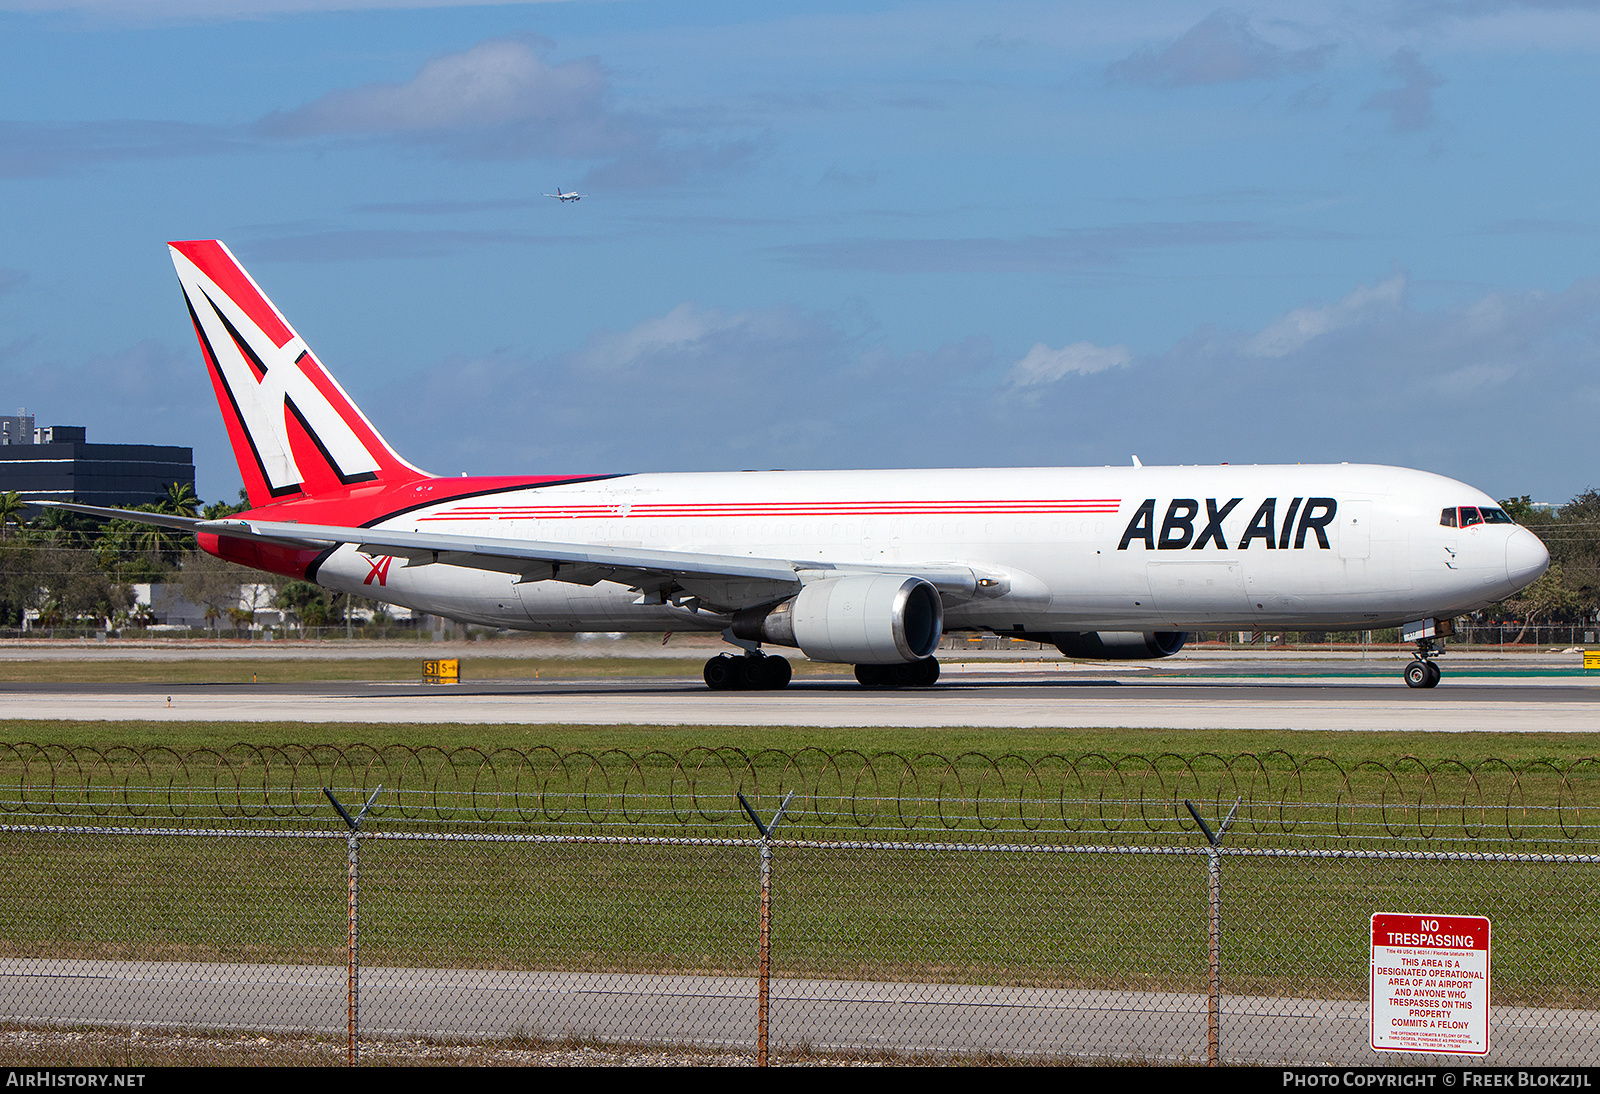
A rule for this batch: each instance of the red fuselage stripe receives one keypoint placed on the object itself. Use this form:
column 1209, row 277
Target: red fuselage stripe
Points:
column 782, row 509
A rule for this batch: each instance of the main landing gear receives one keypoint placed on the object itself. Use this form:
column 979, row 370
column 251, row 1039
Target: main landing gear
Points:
column 1423, row 672
column 752, row 672
column 916, row 674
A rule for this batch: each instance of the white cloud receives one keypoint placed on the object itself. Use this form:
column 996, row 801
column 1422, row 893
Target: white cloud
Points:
column 1221, row 48
column 1044, row 365
column 692, row 388
column 1410, row 105
column 683, row 330
column 1463, row 389
column 493, row 83
column 1301, row 326
column 502, row 99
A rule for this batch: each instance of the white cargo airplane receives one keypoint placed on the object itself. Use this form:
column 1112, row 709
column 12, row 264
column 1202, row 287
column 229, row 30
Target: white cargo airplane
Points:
column 866, row 568
column 570, row 195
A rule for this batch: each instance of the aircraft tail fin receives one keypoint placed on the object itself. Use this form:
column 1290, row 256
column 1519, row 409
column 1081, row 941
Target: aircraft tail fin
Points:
column 294, row 430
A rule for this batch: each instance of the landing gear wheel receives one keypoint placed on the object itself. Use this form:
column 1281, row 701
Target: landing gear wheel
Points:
column 776, row 672
column 721, row 673
column 872, row 676
column 911, row 674
column 725, row 672
column 917, row 674
column 751, row 673
column 1424, row 672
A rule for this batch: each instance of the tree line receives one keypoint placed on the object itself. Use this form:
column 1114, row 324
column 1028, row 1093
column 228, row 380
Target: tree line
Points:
column 79, row 570
column 1569, row 591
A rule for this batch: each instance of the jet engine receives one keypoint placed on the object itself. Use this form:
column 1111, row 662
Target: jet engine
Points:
column 1119, row 645
column 865, row 619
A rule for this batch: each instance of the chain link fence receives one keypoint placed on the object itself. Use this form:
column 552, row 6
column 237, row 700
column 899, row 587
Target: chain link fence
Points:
column 1049, row 908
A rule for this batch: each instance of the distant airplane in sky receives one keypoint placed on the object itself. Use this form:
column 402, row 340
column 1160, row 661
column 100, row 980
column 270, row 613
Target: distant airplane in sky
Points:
column 863, row 568
column 569, row 195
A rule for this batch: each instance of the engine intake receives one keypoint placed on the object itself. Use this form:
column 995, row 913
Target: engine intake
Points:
column 866, row 619
column 1119, row 645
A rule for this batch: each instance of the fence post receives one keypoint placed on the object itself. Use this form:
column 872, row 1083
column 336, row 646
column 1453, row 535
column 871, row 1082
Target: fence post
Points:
column 352, row 937
column 764, row 933
column 1214, row 930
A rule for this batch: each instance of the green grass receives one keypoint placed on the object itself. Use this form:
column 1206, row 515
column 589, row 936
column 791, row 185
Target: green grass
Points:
column 1293, row 927
column 1345, row 749
column 1499, row 791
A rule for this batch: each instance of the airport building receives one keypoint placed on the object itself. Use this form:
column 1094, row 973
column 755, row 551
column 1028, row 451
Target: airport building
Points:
column 57, row 463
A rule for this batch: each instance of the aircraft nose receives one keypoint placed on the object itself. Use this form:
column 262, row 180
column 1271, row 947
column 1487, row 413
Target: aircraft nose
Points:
column 1526, row 558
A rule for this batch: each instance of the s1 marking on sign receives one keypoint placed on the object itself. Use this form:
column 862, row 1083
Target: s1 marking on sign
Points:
column 442, row 672
column 1430, row 983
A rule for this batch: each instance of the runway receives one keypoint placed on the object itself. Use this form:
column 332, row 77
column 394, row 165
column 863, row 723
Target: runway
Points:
column 825, row 1015
column 1297, row 696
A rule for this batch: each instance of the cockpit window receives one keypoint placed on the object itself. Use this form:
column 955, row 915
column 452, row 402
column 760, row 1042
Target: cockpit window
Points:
column 1469, row 515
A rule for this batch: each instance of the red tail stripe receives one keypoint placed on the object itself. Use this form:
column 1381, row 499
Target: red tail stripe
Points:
column 212, row 260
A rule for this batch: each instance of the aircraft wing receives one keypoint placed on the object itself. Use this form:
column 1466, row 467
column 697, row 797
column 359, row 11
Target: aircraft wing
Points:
column 727, row 581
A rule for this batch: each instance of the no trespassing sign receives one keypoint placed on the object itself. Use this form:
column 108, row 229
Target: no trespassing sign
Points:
column 1430, row 983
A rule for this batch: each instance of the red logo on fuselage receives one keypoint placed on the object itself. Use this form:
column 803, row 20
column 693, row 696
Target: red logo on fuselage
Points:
column 380, row 570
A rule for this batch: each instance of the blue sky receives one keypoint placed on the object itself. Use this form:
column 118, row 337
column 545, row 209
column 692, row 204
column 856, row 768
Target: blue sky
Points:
column 828, row 234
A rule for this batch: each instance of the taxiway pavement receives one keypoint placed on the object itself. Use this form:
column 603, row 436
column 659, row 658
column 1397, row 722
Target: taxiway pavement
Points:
column 721, row 1010
column 1307, row 696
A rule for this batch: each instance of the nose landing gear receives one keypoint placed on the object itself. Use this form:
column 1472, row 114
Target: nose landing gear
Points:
column 1423, row 672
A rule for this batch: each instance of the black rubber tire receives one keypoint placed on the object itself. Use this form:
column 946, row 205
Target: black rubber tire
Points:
column 907, row 674
column 776, row 673
column 720, row 673
column 872, row 676
column 1434, row 674
column 1417, row 675
column 751, row 675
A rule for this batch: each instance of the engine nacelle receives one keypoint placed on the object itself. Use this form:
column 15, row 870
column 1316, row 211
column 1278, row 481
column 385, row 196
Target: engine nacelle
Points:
column 1119, row 645
column 865, row 619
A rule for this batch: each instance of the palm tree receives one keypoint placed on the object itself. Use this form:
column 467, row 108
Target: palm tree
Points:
column 11, row 507
column 180, row 499
column 217, row 510
column 151, row 538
